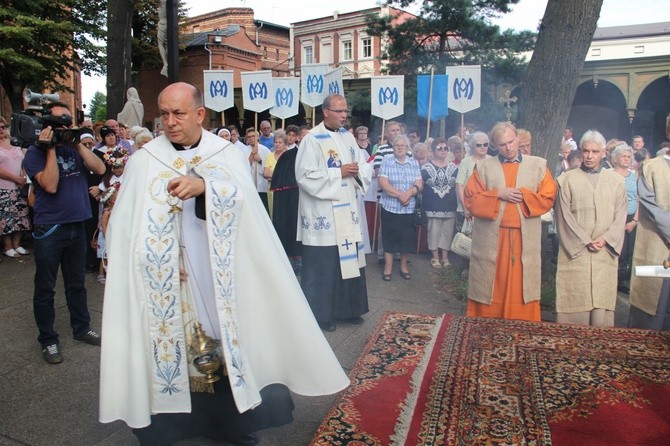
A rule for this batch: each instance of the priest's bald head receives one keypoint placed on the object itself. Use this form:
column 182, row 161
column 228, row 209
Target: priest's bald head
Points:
column 182, row 112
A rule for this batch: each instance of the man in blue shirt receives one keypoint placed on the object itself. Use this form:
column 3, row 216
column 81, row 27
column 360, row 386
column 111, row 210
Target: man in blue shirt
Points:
column 58, row 172
column 267, row 138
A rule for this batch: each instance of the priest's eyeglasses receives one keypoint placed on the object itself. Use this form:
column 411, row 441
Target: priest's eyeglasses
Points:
column 345, row 111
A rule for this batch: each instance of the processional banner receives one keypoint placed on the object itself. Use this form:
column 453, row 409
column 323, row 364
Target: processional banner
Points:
column 286, row 91
column 257, row 90
column 313, row 87
column 387, row 96
column 219, row 89
column 333, row 80
column 464, row 87
column 433, row 106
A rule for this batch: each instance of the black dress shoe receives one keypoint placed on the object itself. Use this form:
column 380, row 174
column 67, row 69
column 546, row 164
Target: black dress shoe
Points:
column 327, row 326
column 246, row 440
column 356, row 320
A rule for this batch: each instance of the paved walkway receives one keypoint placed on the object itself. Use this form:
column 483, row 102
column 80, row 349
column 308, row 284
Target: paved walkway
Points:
column 58, row 404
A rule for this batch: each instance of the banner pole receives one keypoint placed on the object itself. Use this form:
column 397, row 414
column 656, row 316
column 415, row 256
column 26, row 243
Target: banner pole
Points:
column 283, row 125
column 374, row 226
column 313, row 117
column 223, row 118
column 256, row 124
column 382, row 140
column 430, row 100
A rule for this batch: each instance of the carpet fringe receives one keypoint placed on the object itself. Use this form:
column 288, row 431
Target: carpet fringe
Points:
column 401, row 429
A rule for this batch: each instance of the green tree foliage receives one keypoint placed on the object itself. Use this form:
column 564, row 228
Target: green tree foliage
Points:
column 41, row 41
column 453, row 32
column 98, row 109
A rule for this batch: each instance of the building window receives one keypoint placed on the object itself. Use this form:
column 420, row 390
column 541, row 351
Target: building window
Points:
column 326, row 53
column 367, row 47
column 309, row 54
column 347, row 53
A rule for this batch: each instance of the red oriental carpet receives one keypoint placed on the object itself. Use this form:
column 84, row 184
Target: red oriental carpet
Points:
column 449, row 380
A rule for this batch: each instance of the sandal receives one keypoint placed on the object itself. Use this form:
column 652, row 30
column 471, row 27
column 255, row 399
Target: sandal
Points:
column 405, row 275
column 12, row 253
column 23, row 251
column 435, row 263
column 386, row 277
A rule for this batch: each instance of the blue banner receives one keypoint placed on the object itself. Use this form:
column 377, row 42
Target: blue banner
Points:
column 439, row 107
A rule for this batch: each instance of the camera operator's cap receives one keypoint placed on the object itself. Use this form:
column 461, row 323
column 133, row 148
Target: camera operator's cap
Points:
column 105, row 130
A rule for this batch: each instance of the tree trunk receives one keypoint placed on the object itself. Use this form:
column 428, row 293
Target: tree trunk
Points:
column 14, row 91
column 119, row 62
column 549, row 86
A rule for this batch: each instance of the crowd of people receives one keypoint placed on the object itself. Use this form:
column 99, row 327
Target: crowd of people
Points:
column 285, row 217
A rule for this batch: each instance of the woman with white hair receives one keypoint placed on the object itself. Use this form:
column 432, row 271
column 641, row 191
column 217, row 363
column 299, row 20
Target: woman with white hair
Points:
column 479, row 145
column 142, row 138
column 400, row 181
column 280, row 146
column 622, row 158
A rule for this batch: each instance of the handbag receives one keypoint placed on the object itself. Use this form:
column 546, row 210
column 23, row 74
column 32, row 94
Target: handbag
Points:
column 462, row 242
column 419, row 218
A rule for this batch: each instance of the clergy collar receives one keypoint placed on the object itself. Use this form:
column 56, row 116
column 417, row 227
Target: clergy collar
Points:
column 504, row 160
column 330, row 129
column 179, row 147
column 587, row 170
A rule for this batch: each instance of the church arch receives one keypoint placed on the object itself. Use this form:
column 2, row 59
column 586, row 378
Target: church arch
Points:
column 600, row 106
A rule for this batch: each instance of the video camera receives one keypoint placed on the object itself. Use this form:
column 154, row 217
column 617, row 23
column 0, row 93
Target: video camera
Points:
column 27, row 125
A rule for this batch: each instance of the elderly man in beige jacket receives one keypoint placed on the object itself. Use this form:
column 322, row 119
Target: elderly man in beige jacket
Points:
column 591, row 214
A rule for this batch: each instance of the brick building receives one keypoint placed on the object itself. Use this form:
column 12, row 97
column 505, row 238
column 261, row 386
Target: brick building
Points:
column 229, row 39
column 73, row 100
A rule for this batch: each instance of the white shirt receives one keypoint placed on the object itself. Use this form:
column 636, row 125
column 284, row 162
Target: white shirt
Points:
column 256, row 168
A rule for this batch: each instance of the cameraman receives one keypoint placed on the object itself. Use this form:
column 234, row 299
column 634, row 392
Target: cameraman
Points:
column 57, row 165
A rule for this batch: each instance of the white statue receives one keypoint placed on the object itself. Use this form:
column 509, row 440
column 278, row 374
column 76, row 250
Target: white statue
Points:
column 133, row 111
column 162, row 35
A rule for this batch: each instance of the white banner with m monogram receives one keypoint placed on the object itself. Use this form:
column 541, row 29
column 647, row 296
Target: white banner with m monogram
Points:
column 387, row 96
column 286, row 91
column 333, row 80
column 257, row 90
column 219, row 89
column 465, row 87
column 313, row 87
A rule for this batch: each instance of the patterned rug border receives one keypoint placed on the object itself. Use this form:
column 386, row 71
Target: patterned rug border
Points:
column 361, row 366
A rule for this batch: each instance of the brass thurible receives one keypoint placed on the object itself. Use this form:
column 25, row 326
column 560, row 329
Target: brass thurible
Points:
column 205, row 352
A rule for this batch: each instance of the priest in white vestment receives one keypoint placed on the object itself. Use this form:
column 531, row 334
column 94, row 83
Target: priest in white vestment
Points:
column 189, row 243
column 332, row 173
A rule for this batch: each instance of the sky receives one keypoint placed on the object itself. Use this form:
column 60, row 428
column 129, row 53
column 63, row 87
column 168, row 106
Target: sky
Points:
column 525, row 15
